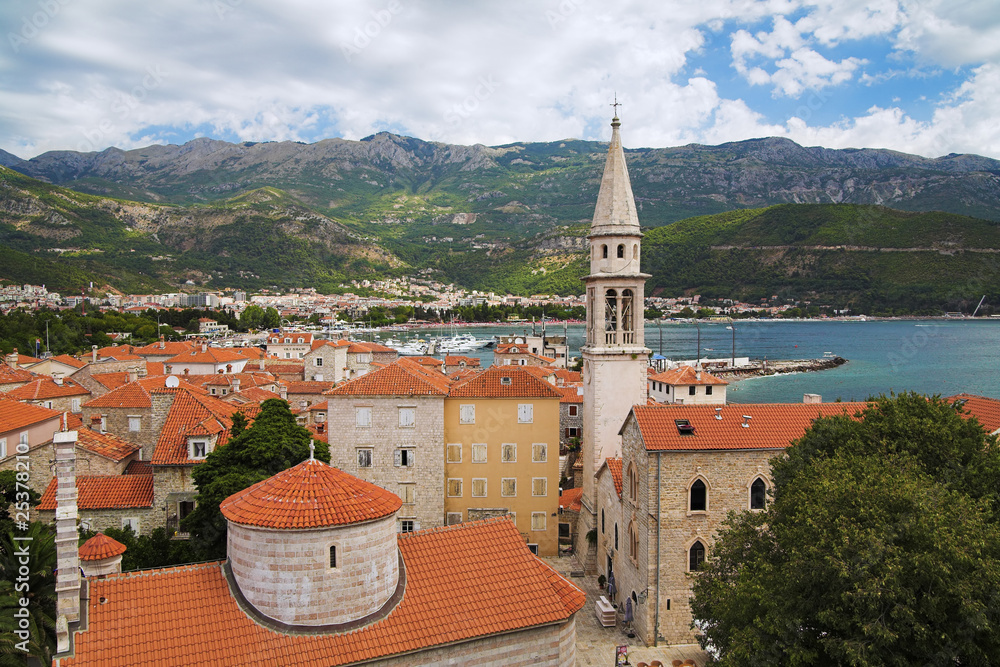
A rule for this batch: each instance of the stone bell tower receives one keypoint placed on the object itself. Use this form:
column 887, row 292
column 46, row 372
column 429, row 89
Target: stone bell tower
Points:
column 614, row 354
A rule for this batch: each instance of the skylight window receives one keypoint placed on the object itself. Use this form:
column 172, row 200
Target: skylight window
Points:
column 684, row 427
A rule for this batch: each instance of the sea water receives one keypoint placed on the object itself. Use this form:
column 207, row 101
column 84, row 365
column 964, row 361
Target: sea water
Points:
column 938, row 356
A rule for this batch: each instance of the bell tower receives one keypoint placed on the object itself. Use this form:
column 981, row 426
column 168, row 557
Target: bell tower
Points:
column 614, row 353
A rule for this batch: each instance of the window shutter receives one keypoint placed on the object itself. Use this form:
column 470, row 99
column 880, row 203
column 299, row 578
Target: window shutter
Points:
column 398, row 458
column 410, row 456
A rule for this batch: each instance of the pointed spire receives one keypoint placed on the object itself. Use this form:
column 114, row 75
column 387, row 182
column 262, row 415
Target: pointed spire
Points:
column 615, row 212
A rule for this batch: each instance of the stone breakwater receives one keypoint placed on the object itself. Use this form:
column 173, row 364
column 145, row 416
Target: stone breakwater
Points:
column 774, row 367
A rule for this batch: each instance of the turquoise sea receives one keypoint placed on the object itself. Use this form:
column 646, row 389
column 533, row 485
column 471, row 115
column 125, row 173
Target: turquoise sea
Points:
column 938, row 356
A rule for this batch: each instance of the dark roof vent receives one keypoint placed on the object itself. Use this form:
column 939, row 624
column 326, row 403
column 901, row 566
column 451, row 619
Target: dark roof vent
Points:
column 505, row 380
column 684, row 427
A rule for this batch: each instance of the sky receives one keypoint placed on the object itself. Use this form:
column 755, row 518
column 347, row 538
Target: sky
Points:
column 919, row 76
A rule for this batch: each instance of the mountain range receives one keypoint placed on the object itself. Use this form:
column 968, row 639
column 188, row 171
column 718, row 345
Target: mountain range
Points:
column 508, row 218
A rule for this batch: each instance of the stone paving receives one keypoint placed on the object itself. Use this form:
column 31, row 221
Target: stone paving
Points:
column 595, row 644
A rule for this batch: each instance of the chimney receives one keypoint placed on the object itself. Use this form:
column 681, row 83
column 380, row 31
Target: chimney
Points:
column 697, row 375
column 283, row 392
column 57, row 377
column 142, row 371
column 718, row 414
column 186, row 372
column 235, row 383
column 303, row 404
column 261, row 363
column 204, row 346
column 133, row 374
column 67, row 540
column 95, row 422
column 812, row 398
column 93, row 354
column 163, row 342
column 746, row 421
column 12, row 359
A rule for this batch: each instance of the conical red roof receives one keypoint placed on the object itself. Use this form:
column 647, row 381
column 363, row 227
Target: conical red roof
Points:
column 101, row 546
column 309, row 495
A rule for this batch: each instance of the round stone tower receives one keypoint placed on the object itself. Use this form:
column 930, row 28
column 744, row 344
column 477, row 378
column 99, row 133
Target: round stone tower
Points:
column 314, row 546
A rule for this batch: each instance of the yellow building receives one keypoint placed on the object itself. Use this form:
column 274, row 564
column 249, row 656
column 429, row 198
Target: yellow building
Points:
column 501, row 433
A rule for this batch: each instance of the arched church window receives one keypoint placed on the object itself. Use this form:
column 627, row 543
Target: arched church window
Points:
column 633, row 542
column 696, row 555
column 758, row 494
column 621, row 251
column 604, row 251
column 633, row 483
column 610, row 316
column 698, row 496
column 635, row 251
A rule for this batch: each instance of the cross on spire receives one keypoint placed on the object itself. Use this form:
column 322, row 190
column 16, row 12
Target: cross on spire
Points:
column 616, row 105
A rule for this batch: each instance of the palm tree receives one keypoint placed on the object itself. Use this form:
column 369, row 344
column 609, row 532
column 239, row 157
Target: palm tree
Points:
column 40, row 592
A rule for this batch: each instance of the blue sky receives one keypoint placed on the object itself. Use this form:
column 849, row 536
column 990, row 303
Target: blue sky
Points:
column 920, row 76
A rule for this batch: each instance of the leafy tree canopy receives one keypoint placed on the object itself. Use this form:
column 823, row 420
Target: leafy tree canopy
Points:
column 274, row 442
column 880, row 547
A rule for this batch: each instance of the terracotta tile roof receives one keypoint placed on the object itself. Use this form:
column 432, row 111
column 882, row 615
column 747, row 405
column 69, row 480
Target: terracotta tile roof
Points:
column 192, row 413
column 26, row 360
column 210, row 355
column 250, row 395
column 294, row 336
column 772, row 425
column 571, row 500
column 571, row 394
column 136, row 394
column 614, row 466
column 101, row 546
column 171, row 347
column 505, row 382
column 15, row 415
column 403, row 377
column 111, row 380
column 308, row 386
column 455, row 360
column 247, row 379
column 116, row 351
column 569, row 377
column 686, row 375
column 10, row 375
column 138, row 468
column 45, row 387
column 430, row 362
column 361, row 347
column 311, row 494
column 154, row 368
column 69, row 360
column 251, row 352
column 986, row 410
column 491, row 585
column 318, row 343
column 546, row 373
column 98, row 492
column 74, row 422
column 105, row 444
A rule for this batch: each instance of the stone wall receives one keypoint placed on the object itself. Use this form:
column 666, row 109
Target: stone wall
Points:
column 102, row 519
column 41, row 459
column 383, row 438
column 117, row 423
column 334, row 363
column 286, row 574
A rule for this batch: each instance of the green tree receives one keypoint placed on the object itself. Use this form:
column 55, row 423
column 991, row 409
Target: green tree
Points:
column 880, row 547
column 38, row 588
column 146, row 551
column 274, row 442
column 252, row 317
column 272, row 318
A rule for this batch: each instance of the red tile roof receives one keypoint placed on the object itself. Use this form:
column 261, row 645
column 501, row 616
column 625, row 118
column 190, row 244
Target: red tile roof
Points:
column 686, row 375
column 210, row 355
column 105, row 444
column 10, row 375
column 571, row 500
column 250, row 352
column 111, row 380
column 15, row 415
column 101, row 546
column 45, row 387
column 251, row 395
column 361, row 347
column 136, row 394
column 984, row 409
column 571, row 394
column 138, row 468
column 98, row 492
column 403, row 377
column 772, row 425
column 171, row 347
column 456, row 359
column 569, row 377
column 69, row 360
column 192, row 413
column 311, row 494
column 615, row 468
column 308, row 386
column 505, row 382
column 491, row 584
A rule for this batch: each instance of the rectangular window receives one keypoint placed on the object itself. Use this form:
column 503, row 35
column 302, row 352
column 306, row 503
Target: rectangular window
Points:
column 478, row 488
column 538, row 520
column 708, row 390
column 198, row 449
column 525, row 413
column 454, row 488
column 3, row 448
column 539, row 452
column 364, row 458
column 508, row 452
column 453, row 518
column 131, row 522
column 407, row 526
column 564, row 530
column 405, row 458
column 479, row 452
column 573, row 410
column 363, row 417
column 691, row 390
column 407, row 417
column 133, row 424
column 319, row 361
column 408, row 493
column 74, row 405
column 454, row 453
column 467, row 414
column 23, row 438
column 333, row 556
column 539, row 486
column 508, row 487
column 572, row 432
